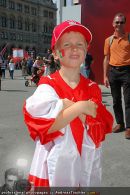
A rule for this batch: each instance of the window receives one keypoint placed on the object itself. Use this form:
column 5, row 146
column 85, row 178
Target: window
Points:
column 3, row 3
column 65, row 3
column 19, row 7
column 33, row 11
column 20, row 23
column 45, row 13
column 26, row 9
column 27, row 26
column 12, row 22
column 12, row 36
column 51, row 27
column 51, row 15
column 19, row 37
column 11, row 5
column 34, row 39
column 3, row 21
column 4, row 35
column 34, row 27
column 45, row 27
column 27, row 38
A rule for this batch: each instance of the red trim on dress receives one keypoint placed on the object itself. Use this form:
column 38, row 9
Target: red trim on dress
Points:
column 36, row 181
column 38, row 127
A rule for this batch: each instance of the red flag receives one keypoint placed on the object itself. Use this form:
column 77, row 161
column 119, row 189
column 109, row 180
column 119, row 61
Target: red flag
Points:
column 3, row 50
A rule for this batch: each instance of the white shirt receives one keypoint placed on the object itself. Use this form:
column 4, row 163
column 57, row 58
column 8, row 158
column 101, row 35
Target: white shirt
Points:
column 11, row 66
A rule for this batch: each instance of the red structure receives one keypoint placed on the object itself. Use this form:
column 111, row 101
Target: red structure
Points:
column 98, row 15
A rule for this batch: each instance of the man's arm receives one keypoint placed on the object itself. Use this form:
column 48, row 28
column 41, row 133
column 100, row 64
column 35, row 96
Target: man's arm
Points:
column 106, row 70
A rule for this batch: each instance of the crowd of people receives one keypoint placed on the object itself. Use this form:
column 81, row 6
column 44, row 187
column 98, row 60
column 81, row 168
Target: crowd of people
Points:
column 37, row 67
column 30, row 65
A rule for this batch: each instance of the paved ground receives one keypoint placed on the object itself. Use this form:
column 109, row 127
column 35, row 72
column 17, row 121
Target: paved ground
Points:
column 15, row 142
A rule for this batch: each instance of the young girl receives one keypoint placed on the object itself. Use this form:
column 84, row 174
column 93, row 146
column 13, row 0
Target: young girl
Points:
column 66, row 118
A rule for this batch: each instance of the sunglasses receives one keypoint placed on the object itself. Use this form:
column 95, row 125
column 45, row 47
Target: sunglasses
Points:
column 118, row 22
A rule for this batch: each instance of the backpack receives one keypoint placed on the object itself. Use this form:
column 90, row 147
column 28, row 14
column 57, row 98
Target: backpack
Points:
column 112, row 36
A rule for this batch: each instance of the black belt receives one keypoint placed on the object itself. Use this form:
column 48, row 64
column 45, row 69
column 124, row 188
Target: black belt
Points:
column 120, row 68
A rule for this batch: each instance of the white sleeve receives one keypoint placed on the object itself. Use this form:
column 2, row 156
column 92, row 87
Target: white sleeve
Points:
column 44, row 103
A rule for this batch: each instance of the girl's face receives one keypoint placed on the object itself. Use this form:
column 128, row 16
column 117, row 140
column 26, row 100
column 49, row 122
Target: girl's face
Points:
column 71, row 49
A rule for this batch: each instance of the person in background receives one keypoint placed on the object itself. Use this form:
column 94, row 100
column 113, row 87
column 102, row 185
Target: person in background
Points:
column 29, row 65
column 3, row 68
column 0, row 72
column 11, row 68
column 36, row 65
column 48, row 62
column 57, row 61
column 117, row 72
column 11, row 176
column 49, row 54
column 85, row 68
column 88, row 62
column 51, row 65
column 24, row 67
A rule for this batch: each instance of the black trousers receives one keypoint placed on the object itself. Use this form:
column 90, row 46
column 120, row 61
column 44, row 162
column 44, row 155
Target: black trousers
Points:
column 119, row 77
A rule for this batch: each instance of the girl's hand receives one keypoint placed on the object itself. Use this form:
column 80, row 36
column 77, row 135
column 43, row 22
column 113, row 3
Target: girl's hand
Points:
column 82, row 118
column 89, row 108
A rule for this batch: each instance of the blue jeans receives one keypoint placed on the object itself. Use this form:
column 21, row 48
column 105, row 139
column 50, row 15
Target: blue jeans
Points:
column 11, row 74
column 3, row 73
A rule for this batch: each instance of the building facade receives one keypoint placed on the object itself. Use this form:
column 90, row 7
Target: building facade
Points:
column 63, row 13
column 27, row 24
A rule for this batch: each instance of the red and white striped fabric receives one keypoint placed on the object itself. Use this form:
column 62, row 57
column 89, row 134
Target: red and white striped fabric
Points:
column 71, row 156
column 2, row 52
